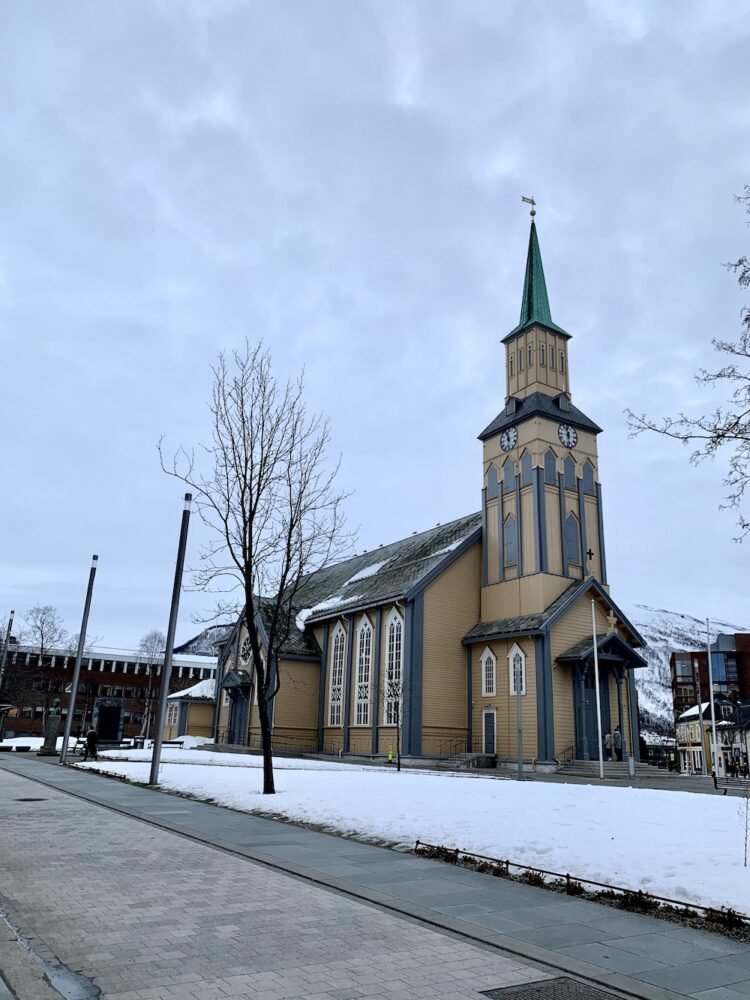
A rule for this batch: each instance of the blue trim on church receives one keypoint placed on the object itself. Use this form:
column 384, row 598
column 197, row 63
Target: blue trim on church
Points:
column 600, row 526
column 376, row 701
column 563, row 550
column 323, row 684
column 542, row 562
column 346, row 715
column 545, row 722
column 582, row 525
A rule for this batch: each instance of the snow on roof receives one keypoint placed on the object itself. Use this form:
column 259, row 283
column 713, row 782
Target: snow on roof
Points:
column 692, row 713
column 367, row 571
column 203, row 689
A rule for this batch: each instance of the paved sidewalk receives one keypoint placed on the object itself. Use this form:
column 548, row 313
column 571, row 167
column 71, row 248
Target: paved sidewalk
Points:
column 633, row 954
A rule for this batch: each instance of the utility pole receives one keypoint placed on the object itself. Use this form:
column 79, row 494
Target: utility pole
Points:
column 79, row 656
column 166, row 670
column 518, row 678
column 4, row 653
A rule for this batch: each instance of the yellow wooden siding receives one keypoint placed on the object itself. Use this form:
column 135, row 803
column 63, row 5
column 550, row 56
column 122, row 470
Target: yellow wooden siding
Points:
column 451, row 608
column 200, row 719
column 296, row 704
column 503, row 703
column 333, row 737
column 360, row 740
column 563, row 709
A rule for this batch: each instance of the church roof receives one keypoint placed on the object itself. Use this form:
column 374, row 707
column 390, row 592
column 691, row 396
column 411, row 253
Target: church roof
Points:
column 535, row 309
column 507, row 628
column 387, row 573
column 585, row 648
column 538, row 404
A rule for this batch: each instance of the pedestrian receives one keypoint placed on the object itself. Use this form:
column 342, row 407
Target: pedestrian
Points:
column 608, row 745
column 617, row 743
column 90, row 748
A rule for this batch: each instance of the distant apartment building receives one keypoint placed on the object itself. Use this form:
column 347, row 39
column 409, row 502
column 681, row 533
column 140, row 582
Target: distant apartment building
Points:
column 110, row 680
column 730, row 671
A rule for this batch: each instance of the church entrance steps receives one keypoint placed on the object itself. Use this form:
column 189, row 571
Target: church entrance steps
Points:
column 613, row 769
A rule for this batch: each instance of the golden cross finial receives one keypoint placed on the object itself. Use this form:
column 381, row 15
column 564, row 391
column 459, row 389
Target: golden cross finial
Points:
column 530, row 201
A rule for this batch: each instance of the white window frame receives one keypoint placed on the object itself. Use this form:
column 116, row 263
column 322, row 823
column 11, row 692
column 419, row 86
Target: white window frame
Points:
column 364, row 672
column 394, row 668
column 489, row 690
column 516, row 651
column 173, row 714
column 336, row 680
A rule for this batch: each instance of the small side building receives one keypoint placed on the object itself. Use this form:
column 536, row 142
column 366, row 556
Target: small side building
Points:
column 191, row 712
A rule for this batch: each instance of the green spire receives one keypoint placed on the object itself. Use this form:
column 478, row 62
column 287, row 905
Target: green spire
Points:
column 534, row 304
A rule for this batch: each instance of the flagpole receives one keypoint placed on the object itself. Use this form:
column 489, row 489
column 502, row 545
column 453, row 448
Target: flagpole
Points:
column 596, row 686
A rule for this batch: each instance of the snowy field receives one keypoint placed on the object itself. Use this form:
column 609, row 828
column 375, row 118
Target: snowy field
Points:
column 677, row 844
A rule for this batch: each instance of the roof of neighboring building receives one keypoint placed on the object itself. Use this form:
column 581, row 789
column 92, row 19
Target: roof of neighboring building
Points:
column 537, row 623
column 384, row 574
column 202, row 691
column 539, row 404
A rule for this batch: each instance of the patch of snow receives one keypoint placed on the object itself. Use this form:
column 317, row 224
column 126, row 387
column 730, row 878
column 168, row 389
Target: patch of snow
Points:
column 203, row 689
column 449, row 548
column 367, row 571
column 332, row 602
column 700, row 836
column 692, row 713
column 302, row 617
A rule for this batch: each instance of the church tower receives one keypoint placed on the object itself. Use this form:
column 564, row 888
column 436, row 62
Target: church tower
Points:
column 541, row 499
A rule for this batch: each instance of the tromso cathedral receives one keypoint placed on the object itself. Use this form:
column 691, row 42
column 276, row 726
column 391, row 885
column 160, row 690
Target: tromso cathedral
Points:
column 441, row 634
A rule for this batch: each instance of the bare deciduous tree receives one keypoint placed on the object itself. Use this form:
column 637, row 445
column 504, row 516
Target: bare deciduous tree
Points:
column 727, row 425
column 44, row 632
column 152, row 647
column 268, row 495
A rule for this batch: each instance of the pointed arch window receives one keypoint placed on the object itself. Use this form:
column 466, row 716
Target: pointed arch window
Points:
column 572, row 540
column 588, row 477
column 393, row 665
column 542, row 355
column 552, row 356
column 364, row 673
column 520, row 360
column 516, row 670
column 336, row 689
column 489, row 674
column 491, row 482
column 526, row 469
column 569, row 473
column 550, row 468
column 510, row 541
column 509, row 476
column 530, row 352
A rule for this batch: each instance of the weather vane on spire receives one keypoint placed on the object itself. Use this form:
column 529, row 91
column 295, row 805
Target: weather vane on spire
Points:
column 530, row 201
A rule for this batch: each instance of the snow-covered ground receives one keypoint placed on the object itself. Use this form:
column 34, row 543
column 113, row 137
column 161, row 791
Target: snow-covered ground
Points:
column 675, row 844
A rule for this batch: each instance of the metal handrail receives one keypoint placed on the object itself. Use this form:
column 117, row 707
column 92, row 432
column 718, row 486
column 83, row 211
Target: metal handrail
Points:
column 451, row 748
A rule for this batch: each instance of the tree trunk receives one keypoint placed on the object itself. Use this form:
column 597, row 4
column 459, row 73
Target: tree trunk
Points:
column 264, row 717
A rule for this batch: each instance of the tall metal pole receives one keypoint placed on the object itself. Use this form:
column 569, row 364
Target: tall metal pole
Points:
column 702, row 735
column 714, row 748
column 166, row 670
column 79, row 657
column 598, row 699
column 4, row 653
column 518, row 673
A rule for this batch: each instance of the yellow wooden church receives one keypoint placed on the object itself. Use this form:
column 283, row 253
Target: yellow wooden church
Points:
column 439, row 636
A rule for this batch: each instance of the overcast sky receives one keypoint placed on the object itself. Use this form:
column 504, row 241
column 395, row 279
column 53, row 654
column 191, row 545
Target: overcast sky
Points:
column 343, row 178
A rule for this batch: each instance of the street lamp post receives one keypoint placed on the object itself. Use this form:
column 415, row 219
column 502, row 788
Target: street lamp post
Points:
column 166, row 669
column 4, row 653
column 714, row 748
column 79, row 656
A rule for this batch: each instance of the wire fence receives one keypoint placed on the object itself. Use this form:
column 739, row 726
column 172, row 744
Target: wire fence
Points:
column 726, row 918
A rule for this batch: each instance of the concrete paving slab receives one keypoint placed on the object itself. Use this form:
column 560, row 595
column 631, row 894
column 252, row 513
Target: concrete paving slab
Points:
column 695, row 976
column 672, row 950
column 609, row 956
column 562, row 936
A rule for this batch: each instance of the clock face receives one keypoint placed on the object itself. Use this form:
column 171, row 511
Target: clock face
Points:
column 568, row 435
column 508, row 438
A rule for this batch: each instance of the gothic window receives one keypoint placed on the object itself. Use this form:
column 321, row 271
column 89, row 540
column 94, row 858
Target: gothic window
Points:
column 393, row 662
column 520, row 360
column 562, row 362
column 572, row 540
column 516, row 670
column 542, row 355
column 531, row 355
column 550, row 468
column 364, row 663
column 510, row 364
column 569, row 473
column 526, row 469
column 509, row 476
column 489, row 667
column 491, row 482
column 588, row 478
column 552, row 358
column 510, row 541
column 245, row 649
column 336, row 692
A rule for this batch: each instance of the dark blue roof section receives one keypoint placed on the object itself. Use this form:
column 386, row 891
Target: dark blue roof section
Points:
column 539, row 404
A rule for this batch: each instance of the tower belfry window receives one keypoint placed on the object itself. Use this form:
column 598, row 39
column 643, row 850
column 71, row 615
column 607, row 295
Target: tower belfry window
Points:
column 572, row 540
column 510, row 541
column 509, row 476
column 520, row 360
column 542, row 352
column 526, row 469
column 569, row 472
column 530, row 351
column 511, row 359
column 550, row 468
column 562, row 362
column 552, row 358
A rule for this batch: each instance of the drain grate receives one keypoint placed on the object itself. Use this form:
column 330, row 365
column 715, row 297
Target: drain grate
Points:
column 29, row 800
column 549, row 989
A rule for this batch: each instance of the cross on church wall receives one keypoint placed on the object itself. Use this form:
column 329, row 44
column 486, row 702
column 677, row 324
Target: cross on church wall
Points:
column 611, row 621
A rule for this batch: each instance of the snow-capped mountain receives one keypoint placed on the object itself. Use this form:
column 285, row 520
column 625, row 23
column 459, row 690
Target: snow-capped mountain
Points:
column 665, row 632
column 204, row 644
